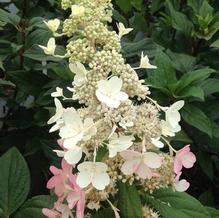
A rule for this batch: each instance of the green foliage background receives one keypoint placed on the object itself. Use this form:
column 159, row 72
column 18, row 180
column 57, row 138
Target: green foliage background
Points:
column 181, row 38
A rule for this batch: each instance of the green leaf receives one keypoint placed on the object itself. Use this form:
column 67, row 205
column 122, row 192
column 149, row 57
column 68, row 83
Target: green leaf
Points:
column 138, row 22
column 29, row 82
column 9, row 18
column 191, row 77
column 215, row 44
column 180, row 21
column 182, row 137
column 204, row 160
column 172, row 204
column 210, row 86
column 63, row 72
column 125, row 5
column 213, row 212
column 6, row 83
column 207, row 198
column 131, row 49
column 129, row 202
column 201, row 7
column 195, row 5
column 14, row 181
column 138, row 4
column 33, row 207
column 182, row 62
column 197, row 118
column 105, row 213
column 191, row 91
column 164, row 70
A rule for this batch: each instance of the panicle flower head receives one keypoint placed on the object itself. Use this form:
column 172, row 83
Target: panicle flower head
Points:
column 117, row 133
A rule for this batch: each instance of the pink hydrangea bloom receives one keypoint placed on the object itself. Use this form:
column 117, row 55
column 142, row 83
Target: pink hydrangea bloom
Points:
column 141, row 164
column 184, row 158
column 59, row 210
column 76, row 198
column 64, row 184
column 181, row 185
column 58, row 181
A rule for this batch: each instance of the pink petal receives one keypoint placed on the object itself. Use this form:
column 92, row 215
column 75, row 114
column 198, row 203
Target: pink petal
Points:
column 130, row 166
column 177, row 166
column 182, row 185
column 59, row 189
column 72, row 199
column 130, row 154
column 188, row 160
column 55, row 171
column 184, row 150
column 52, row 182
column 80, row 208
column 152, row 160
column 67, row 168
column 50, row 213
column 143, row 171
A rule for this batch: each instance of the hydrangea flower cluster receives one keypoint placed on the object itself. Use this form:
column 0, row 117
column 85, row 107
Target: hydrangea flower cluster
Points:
column 117, row 134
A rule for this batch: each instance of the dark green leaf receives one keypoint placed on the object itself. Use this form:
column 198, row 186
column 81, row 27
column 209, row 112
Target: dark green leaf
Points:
column 9, row 18
column 125, row 5
column 129, row 202
column 33, row 207
column 164, row 70
column 210, row 86
column 191, row 91
column 138, row 4
column 204, row 160
column 172, row 204
column 14, row 181
column 180, row 21
column 135, row 48
column 105, row 213
column 197, row 118
column 189, row 78
column 213, row 212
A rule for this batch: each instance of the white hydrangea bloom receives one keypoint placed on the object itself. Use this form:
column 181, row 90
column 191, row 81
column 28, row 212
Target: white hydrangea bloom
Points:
column 77, row 11
column 72, row 156
column 109, row 92
column 93, row 173
column 168, row 130
column 51, row 47
column 122, row 30
column 80, row 73
column 144, row 63
column 119, row 143
column 74, row 130
column 57, row 93
column 157, row 142
column 59, row 112
column 172, row 114
column 53, row 25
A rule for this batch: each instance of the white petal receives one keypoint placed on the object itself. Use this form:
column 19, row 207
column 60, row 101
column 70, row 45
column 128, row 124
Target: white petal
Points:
column 84, row 179
column 122, row 96
column 85, row 166
column 177, row 105
column 100, row 181
column 59, row 153
column 157, row 142
column 74, row 155
column 71, row 142
column 59, row 112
